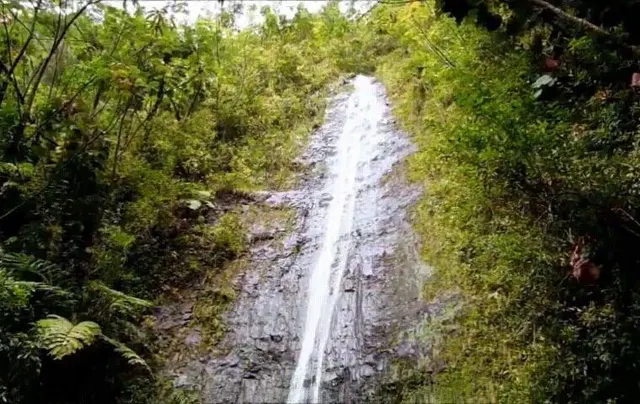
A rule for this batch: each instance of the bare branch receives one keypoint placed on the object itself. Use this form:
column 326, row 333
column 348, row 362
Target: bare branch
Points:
column 14, row 82
column 31, row 30
column 59, row 38
column 7, row 36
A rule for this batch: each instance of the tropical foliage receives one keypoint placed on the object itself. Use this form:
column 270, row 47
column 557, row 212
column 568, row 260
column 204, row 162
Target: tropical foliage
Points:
column 526, row 119
column 121, row 131
column 126, row 133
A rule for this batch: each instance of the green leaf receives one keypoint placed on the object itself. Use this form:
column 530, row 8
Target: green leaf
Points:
column 203, row 194
column 60, row 337
column 45, row 287
column 127, row 353
column 193, row 204
column 116, row 301
column 22, row 263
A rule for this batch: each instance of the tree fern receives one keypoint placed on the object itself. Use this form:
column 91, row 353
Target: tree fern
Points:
column 127, row 353
column 60, row 337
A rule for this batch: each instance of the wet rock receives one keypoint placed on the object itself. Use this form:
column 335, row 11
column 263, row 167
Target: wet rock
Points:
column 193, row 338
column 349, row 285
column 376, row 296
column 169, row 323
column 405, row 350
column 292, row 241
column 182, row 381
column 286, row 198
column 331, row 377
column 250, row 375
column 367, row 371
column 325, row 200
column 276, row 338
column 186, row 307
column 262, row 236
column 259, row 232
column 264, row 254
column 260, row 196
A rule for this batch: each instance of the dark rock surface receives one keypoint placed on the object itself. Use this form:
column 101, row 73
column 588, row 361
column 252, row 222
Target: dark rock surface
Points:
column 378, row 311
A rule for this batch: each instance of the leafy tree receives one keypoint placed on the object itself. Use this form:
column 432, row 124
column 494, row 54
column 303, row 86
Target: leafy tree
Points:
column 121, row 129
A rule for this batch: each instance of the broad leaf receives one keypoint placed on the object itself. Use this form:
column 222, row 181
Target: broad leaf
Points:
column 60, row 337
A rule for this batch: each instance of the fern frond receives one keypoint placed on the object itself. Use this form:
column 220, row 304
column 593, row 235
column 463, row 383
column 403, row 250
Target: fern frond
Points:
column 117, row 295
column 118, row 302
column 60, row 337
column 127, row 353
column 21, row 263
column 44, row 287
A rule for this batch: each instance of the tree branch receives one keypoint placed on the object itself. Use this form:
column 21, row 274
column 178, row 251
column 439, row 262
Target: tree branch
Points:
column 31, row 30
column 59, row 38
column 584, row 24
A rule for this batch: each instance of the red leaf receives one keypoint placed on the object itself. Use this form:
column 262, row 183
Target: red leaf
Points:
column 551, row 64
column 582, row 268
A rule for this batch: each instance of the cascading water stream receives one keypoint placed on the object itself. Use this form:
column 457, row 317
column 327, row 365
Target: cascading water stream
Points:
column 364, row 113
column 329, row 296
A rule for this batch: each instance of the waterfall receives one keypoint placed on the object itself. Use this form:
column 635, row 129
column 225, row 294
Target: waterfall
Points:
column 324, row 306
column 364, row 113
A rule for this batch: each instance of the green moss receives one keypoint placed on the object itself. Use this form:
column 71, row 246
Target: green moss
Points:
column 217, row 294
column 229, row 234
column 219, row 287
column 279, row 219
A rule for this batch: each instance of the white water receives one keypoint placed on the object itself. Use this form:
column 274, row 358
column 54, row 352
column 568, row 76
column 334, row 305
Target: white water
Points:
column 364, row 113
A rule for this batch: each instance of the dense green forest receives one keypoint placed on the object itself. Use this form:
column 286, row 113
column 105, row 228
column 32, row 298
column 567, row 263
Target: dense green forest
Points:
column 121, row 131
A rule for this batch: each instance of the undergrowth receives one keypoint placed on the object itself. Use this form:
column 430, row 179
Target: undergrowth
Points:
column 522, row 169
column 126, row 137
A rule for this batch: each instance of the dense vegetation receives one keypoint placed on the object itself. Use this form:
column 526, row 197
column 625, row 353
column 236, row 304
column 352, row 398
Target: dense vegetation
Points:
column 122, row 132
column 526, row 118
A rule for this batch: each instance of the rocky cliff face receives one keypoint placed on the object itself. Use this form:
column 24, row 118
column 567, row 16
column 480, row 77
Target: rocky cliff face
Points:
column 371, row 308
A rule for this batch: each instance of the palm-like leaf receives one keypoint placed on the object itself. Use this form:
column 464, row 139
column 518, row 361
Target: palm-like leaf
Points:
column 127, row 353
column 116, row 301
column 60, row 337
column 18, row 293
column 22, row 263
column 15, row 266
column 53, row 291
